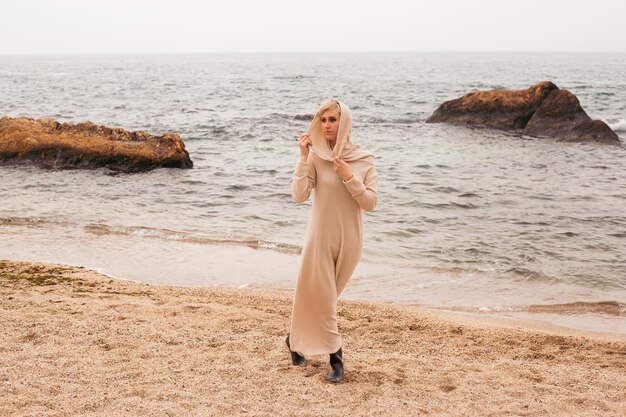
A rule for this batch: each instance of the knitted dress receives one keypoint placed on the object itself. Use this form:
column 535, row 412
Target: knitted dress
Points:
column 332, row 246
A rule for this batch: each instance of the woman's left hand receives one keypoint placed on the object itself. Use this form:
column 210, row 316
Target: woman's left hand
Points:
column 342, row 169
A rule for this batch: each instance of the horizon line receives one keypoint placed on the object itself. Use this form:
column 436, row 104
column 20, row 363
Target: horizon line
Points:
column 314, row 52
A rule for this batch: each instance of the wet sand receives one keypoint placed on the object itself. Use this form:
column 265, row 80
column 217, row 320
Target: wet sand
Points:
column 75, row 342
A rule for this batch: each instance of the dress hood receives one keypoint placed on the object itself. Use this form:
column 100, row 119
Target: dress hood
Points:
column 344, row 149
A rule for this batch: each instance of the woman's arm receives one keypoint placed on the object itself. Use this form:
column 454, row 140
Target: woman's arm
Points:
column 364, row 192
column 303, row 180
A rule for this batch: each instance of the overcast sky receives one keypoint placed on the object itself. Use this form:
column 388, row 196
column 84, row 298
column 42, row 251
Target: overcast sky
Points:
column 185, row 26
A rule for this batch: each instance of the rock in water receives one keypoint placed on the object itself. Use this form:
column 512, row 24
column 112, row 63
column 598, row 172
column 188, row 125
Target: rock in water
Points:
column 541, row 110
column 50, row 144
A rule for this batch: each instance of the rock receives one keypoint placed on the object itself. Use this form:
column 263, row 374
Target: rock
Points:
column 501, row 109
column 541, row 110
column 50, row 144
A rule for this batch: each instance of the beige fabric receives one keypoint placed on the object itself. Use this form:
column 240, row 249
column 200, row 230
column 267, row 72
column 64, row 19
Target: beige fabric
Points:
column 332, row 248
column 343, row 148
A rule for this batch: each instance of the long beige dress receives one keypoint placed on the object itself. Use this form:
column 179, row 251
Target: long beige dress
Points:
column 332, row 248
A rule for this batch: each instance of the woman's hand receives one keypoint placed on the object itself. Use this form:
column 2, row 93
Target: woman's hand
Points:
column 342, row 169
column 305, row 143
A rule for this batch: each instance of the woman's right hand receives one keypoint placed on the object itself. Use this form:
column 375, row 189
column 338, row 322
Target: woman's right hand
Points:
column 305, row 143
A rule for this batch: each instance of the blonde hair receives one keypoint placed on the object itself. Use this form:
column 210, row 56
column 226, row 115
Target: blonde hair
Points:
column 330, row 103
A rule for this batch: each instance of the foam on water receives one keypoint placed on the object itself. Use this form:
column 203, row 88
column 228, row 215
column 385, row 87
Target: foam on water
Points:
column 619, row 126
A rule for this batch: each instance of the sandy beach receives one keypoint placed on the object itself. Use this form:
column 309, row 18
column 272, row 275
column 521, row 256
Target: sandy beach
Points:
column 75, row 342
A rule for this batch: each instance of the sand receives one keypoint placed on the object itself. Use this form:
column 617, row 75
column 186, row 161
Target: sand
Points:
column 75, row 342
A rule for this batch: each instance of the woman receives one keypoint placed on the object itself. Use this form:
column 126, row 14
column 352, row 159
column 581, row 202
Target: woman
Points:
column 344, row 179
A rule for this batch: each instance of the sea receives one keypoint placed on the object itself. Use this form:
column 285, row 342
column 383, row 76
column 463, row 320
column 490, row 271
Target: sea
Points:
column 473, row 220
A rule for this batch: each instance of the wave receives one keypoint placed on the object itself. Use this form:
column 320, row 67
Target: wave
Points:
column 238, row 187
column 28, row 221
column 170, row 235
column 619, row 126
column 154, row 233
column 445, row 189
column 609, row 308
column 411, row 119
column 531, row 275
column 293, row 77
column 453, row 205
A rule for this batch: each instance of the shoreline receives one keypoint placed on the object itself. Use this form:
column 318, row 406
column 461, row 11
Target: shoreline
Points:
column 75, row 342
column 452, row 314
column 586, row 316
column 525, row 324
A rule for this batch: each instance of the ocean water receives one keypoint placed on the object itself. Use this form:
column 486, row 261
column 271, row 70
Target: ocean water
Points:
column 468, row 219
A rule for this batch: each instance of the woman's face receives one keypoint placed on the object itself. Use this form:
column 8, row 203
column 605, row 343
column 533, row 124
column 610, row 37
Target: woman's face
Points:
column 330, row 123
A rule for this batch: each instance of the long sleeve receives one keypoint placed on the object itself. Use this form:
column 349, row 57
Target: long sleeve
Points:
column 303, row 180
column 364, row 192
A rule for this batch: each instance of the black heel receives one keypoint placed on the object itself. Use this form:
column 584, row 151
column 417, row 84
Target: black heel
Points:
column 336, row 363
column 296, row 358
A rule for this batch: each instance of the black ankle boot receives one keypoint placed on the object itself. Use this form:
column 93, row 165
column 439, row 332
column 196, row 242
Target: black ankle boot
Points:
column 336, row 363
column 296, row 358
